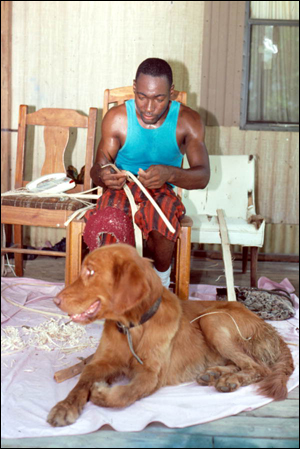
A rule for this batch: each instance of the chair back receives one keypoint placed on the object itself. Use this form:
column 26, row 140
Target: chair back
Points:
column 57, row 124
column 231, row 185
column 121, row 94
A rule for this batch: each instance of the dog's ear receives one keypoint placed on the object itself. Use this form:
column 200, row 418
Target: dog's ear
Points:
column 130, row 286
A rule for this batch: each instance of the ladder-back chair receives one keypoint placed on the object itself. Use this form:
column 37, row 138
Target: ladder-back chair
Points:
column 49, row 212
column 118, row 96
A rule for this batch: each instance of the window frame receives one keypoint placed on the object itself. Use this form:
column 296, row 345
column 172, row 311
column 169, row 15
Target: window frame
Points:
column 244, row 123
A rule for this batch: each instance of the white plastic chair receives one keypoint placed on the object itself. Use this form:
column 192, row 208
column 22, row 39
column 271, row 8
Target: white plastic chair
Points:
column 231, row 188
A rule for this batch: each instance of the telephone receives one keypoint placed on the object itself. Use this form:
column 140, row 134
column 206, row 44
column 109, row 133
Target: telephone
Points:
column 52, row 183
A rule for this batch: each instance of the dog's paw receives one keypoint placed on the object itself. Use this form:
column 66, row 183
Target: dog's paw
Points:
column 63, row 414
column 99, row 393
column 209, row 377
column 227, row 384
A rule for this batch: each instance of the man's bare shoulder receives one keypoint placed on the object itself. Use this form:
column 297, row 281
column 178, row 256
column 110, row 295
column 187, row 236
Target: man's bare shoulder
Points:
column 190, row 120
column 189, row 115
column 115, row 120
column 116, row 113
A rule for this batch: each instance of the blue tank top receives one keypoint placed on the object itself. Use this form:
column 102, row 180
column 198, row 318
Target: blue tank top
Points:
column 144, row 147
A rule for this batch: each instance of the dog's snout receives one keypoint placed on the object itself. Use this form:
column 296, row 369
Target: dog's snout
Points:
column 57, row 300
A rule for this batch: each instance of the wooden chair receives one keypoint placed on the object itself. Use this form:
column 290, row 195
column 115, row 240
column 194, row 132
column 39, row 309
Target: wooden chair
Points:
column 231, row 188
column 118, row 96
column 49, row 212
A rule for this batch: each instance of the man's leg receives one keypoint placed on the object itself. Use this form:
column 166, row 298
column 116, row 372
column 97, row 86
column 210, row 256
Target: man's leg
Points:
column 160, row 249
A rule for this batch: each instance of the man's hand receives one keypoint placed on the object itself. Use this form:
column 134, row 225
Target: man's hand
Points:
column 155, row 176
column 111, row 179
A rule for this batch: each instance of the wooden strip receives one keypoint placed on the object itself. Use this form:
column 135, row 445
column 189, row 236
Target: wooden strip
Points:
column 18, row 239
column 74, row 251
column 226, row 442
column 238, row 62
column 213, row 65
column 32, row 251
column 230, row 87
column 34, row 217
column 183, row 263
column 111, row 439
column 90, row 144
column 245, row 426
column 6, row 51
column 206, row 56
column 20, row 146
column 222, row 61
column 72, row 371
column 57, row 117
column 226, row 256
column 288, row 409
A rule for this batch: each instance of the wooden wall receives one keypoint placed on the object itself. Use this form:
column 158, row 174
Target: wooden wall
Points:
column 6, row 38
column 222, row 52
column 64, row 54
column 277, row 153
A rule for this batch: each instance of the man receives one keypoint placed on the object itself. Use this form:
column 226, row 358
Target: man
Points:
column 149, row 136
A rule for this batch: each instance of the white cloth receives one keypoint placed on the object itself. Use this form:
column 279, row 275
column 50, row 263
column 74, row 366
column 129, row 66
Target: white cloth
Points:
column 29, row 390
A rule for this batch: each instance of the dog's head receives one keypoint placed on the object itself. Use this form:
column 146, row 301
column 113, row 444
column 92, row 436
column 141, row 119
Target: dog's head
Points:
column 114, row 280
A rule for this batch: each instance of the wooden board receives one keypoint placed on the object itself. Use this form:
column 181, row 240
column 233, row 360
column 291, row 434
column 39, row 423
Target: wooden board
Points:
column 226, row 256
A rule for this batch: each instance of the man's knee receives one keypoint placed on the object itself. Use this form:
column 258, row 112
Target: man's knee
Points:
column 161, row 250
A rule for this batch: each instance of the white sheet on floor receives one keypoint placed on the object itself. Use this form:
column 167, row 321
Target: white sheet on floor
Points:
column 29, row 390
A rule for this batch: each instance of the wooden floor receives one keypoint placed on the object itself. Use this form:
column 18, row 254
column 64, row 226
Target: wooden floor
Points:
column 275, row 425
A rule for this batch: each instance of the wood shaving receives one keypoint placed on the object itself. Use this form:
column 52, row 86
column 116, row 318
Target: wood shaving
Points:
column 11, row 341
column 49, row 336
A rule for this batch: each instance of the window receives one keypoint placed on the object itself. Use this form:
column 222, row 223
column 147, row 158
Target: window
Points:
column 270, row 91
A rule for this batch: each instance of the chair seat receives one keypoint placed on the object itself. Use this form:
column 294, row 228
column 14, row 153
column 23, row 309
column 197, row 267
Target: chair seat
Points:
column 30, row 201
column 206, row 230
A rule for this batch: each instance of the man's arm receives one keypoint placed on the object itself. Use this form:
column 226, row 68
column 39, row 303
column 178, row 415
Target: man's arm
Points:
column 106, row 154
column 195, row 177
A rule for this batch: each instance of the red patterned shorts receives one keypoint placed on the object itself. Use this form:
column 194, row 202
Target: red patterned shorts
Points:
column 146, row 217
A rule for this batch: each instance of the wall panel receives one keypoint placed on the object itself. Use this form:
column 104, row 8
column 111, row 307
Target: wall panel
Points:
column 64, row 54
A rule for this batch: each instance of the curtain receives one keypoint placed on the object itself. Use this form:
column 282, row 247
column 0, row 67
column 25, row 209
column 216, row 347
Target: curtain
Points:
column 274, row 74
column 275, row 10
column 274, row 65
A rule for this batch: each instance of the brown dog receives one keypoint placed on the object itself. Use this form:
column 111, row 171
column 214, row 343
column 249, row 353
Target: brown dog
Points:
column 117, row 285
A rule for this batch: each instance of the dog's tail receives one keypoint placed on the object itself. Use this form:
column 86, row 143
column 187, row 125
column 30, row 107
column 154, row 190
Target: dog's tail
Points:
column 275, row 384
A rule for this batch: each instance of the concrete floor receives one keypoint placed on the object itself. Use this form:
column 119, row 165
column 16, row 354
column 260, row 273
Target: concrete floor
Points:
column 203, row 271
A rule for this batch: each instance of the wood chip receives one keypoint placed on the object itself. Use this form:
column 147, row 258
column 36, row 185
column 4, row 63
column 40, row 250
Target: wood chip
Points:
column 51, row 335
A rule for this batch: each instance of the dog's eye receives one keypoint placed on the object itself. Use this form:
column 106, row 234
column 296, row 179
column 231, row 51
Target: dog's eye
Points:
column 90, row 272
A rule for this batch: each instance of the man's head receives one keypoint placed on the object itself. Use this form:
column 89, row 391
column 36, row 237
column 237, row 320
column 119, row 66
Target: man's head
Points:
column 153, row 87
column 155, row 67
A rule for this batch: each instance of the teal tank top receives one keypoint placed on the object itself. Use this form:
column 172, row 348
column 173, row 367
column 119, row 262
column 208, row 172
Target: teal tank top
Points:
column 144, row 147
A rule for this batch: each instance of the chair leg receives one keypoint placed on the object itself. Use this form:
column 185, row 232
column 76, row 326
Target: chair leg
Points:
column 183, row 264
column 245, row 258
column 18, row 241
column 253, row 271
column 73, row 251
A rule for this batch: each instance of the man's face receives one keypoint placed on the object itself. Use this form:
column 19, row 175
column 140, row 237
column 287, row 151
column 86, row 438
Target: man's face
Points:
column 152, row 97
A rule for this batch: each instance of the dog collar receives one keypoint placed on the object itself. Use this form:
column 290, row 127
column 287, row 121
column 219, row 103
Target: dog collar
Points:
column 126, row 330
